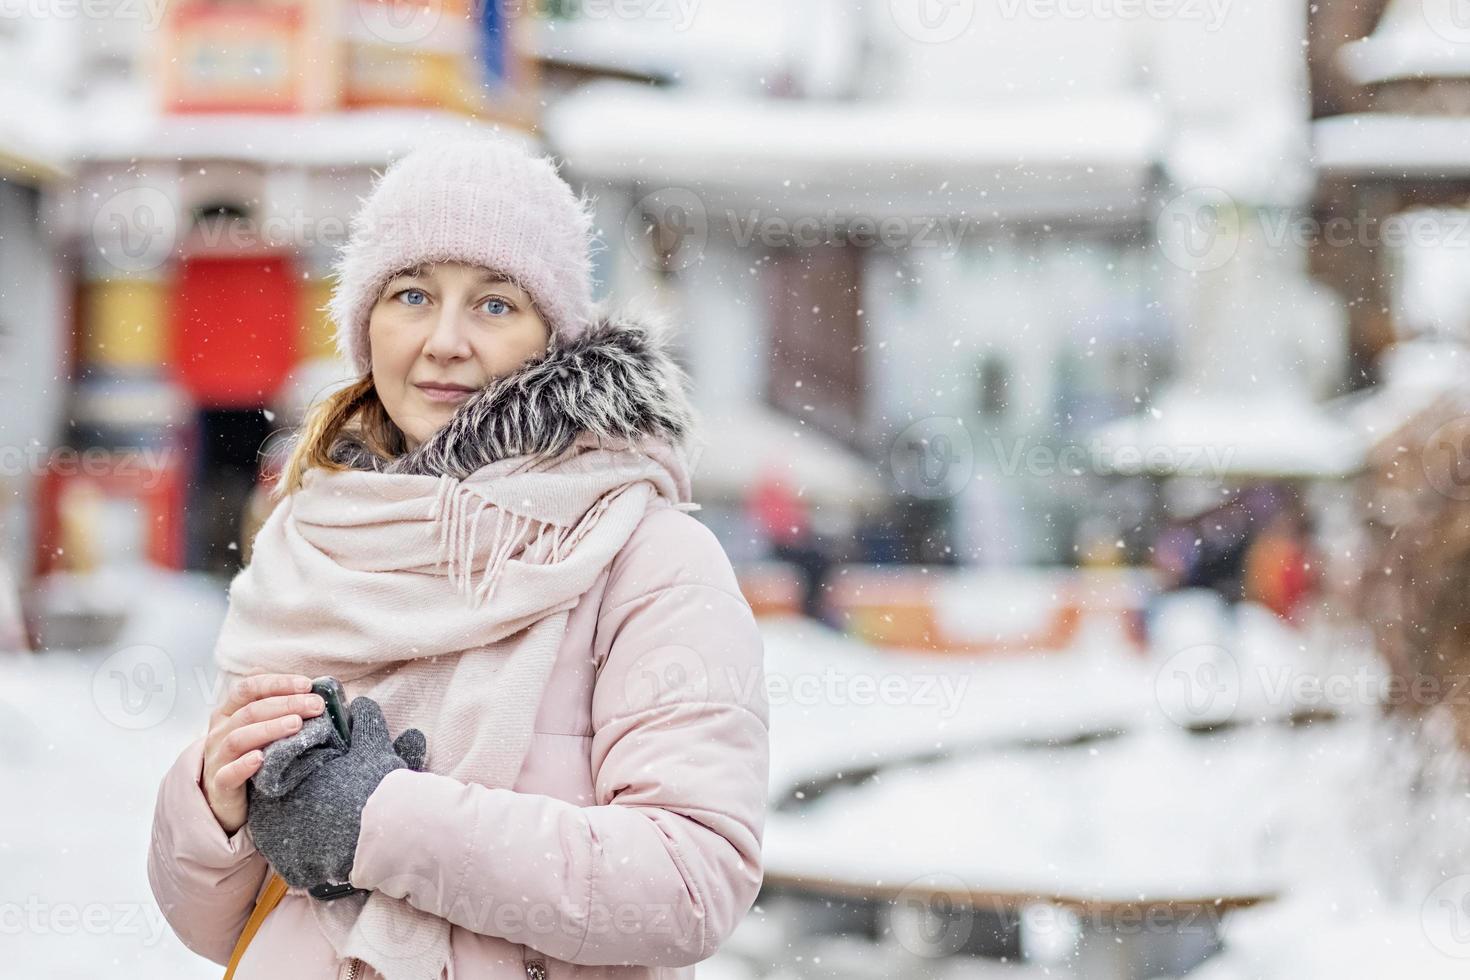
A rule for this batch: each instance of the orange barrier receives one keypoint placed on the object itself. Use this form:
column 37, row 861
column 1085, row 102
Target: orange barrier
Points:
column 962, row 611
column 772, row 588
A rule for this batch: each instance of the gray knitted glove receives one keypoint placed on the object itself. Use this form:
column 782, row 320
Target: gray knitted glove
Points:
column 305, row 802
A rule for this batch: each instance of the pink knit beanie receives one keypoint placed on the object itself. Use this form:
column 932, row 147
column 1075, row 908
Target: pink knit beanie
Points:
column 483, row 201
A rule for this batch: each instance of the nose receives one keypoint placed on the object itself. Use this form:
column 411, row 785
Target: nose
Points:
column 448, row 341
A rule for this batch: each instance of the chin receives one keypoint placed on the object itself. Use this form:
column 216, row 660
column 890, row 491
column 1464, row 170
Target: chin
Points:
column 427, row 423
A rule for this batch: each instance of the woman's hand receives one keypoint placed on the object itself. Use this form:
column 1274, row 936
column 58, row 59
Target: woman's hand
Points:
column 306, row 803
column 259, row 709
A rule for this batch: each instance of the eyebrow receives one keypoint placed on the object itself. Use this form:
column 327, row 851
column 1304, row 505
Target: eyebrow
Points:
column 486, row 277
column 491, row 279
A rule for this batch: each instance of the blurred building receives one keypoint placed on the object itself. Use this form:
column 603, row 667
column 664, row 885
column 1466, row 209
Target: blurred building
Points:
column 215, row 159
column 1391, row 137
column 915, row 265
column 35, row 314
column 893, row 236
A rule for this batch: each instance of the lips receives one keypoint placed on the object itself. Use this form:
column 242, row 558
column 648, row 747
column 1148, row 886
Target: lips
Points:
column 437, row 392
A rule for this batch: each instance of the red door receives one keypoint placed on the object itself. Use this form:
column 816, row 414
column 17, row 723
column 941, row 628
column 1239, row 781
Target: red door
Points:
column 234, row 328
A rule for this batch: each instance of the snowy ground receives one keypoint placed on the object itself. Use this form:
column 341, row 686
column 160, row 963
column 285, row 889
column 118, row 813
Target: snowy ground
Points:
column 1373, row 880
column 1309, row 812
column 86, row 738
column 1371, row 886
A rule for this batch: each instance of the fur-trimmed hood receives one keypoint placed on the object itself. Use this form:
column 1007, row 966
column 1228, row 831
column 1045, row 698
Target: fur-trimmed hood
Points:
column 616, row 380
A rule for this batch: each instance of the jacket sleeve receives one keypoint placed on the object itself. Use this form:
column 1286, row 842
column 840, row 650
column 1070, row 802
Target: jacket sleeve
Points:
column 205, row 882
column 667, row 861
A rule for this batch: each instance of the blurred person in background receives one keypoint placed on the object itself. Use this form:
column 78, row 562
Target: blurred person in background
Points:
column 485, row 538
column 224, row 480
column 786, row 521
column 1280, row 573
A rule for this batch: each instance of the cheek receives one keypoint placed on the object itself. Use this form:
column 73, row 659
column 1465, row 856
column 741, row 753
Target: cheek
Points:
column 390, row 353
column 502, row 351
column 391, row 361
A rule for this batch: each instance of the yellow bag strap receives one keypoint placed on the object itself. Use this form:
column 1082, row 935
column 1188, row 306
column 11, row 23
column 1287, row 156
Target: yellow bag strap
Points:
column 269, row 899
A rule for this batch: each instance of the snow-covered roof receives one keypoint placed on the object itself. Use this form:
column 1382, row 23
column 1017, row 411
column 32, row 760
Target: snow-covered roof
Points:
column 872, row 157
column 32, row 136
column 721, row 45
column 1392, row 145
column 1226, row 435
column 1413, row 39
column 35, row 58
column 658, row 50
column 363, row 137
column 1259, row 158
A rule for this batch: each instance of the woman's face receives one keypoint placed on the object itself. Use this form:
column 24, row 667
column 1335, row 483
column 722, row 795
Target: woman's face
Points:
column 443, row 331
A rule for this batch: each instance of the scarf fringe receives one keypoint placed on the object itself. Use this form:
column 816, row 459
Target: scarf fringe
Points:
column 457, row 510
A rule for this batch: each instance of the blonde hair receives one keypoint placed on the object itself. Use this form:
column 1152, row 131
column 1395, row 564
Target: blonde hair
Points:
column 355, row 408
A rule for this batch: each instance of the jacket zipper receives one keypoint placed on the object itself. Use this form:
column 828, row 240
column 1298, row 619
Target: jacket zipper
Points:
column 535, row 966
column 354, row 966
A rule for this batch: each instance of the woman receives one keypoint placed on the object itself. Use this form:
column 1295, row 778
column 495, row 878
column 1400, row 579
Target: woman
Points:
column 486, row 538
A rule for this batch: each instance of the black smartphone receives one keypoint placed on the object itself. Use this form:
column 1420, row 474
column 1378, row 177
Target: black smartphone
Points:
column 335, row 698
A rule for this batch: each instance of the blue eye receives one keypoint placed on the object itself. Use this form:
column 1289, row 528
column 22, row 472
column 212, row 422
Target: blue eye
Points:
column 406, row 292
column 502, row 307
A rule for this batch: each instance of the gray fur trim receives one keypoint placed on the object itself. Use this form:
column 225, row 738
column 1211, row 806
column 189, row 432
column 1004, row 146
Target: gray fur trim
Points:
column 616, row 380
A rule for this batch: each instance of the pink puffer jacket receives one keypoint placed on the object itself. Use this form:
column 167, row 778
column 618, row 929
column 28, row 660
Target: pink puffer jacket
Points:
column 630, row 846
